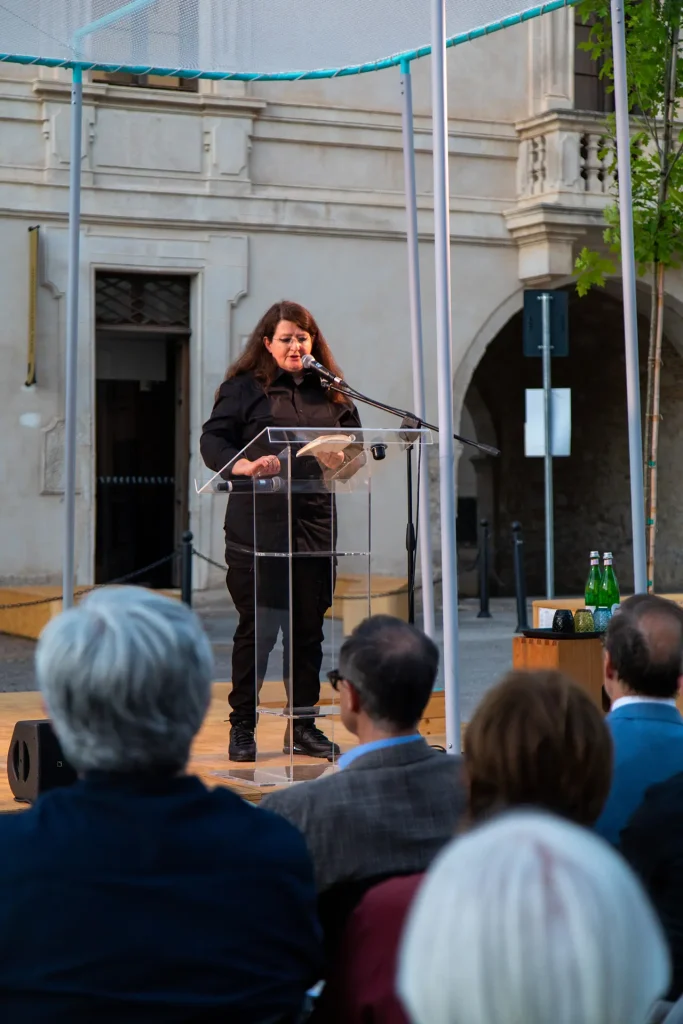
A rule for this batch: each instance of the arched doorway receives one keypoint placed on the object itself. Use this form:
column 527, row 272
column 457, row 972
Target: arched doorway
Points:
column 592, row 496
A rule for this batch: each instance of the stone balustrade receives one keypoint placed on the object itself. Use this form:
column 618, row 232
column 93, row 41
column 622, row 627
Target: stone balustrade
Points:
column 565, row 154
column 564, row 184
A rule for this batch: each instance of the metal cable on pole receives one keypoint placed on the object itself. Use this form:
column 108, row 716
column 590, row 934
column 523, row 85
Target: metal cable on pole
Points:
column 545, row 300
column 628, row 275
column 419, row 403
column 444, row 344
column 71, row 366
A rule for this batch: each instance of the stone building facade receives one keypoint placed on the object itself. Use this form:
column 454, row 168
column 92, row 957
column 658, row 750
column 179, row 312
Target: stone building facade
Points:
column 200, row 208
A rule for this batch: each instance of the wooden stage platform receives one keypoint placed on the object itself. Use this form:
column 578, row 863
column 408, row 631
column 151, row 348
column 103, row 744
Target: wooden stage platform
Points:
column 210, row 752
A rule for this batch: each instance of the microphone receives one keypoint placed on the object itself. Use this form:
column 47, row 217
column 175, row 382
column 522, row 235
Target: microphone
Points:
column 312, row 364
column 249, row 484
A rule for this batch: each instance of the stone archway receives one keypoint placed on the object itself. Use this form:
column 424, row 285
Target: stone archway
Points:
column 592, row 497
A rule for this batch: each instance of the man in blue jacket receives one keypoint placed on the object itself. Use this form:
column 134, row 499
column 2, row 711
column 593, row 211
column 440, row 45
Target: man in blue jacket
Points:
column 643, row 674
column 137, row 894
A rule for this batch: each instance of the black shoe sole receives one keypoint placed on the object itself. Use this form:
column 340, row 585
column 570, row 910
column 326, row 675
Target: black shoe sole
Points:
column 242, row 755
column 330, row 756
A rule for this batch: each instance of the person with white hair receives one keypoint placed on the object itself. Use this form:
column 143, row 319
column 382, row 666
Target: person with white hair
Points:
column 531, row 920
column 136, row 893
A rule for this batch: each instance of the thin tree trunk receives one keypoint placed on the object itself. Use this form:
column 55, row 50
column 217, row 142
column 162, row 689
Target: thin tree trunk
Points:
column 647, row 440
column 651, row 466
column 656, row 332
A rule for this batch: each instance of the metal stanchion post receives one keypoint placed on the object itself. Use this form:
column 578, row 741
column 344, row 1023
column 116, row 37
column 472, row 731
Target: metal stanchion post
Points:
column 186, row 569
column 520, row 580
column 484, row 612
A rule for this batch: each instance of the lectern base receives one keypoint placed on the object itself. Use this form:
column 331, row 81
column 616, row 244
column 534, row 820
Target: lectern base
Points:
column 266, row 776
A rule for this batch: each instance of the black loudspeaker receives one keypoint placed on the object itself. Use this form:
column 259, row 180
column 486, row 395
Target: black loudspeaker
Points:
column 35, row 762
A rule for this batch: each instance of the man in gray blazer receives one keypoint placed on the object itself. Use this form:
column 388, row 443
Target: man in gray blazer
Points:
column 395, row 801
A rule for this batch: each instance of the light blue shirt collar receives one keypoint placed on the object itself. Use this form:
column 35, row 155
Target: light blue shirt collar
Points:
column 367, row 748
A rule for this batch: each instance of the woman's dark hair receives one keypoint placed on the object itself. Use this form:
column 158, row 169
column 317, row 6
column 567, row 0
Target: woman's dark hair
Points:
column 257, row 360
column 538, row 740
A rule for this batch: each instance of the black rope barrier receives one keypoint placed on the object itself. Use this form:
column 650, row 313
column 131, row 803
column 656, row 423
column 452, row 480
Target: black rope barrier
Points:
column 80, row 591
column 186, row 549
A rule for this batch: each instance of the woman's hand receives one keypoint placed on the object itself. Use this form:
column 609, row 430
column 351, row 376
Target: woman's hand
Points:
column 331, row 460
column 267, row 465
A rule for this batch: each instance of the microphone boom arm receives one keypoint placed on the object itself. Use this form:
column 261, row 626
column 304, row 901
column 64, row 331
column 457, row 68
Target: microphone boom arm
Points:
column 404, row 415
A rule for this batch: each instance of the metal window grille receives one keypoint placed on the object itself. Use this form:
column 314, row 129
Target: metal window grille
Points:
column 146, row 81
column 143, row 300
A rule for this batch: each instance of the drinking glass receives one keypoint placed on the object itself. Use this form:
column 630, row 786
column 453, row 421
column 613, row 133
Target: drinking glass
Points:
column 601, row 617
column 563, row 621
column 584, row 621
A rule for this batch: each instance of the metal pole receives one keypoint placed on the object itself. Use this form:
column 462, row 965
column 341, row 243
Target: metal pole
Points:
column 186, row 569
column 545, row 300
column 419, row 403
column 628, row 276
column 410, row 537
column 444, row 345
column 484, row 612
column 520, row 576
column 71, row 368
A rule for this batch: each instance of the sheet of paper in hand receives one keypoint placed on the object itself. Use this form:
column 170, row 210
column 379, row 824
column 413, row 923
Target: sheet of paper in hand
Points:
column 327, row 444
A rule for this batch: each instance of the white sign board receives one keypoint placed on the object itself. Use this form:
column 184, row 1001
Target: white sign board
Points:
column 545, row 617
column 560, row 423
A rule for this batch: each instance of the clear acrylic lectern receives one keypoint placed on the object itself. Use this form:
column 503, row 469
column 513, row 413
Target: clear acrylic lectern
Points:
column 306, row 531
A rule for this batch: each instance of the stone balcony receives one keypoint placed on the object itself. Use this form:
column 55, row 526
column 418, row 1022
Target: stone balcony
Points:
column 563, row 187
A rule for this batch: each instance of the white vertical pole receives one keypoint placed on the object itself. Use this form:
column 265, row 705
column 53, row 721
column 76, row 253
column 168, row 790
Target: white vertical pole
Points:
column 444, row 344
column 546, row 299
column 419, row 403
column 628, row 276
column 71, row 368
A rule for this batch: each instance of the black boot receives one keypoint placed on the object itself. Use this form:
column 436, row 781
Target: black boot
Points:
column 242, row 743
column 311, row 741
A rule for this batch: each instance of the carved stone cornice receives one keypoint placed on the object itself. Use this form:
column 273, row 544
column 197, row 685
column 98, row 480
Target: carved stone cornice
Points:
column 547, row 237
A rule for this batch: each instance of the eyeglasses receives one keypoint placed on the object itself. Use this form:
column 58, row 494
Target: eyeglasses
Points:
column 335, row 677
column 299, row 339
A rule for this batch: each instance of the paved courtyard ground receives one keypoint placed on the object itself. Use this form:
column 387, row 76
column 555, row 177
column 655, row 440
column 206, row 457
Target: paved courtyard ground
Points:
column 485, row 647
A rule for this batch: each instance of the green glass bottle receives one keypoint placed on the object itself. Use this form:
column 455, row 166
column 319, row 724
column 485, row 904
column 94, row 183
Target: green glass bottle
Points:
column 593, row 582
column 608, row 595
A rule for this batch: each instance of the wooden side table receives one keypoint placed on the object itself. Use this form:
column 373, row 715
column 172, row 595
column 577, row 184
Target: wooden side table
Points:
column 574, row 603
column 581, row 660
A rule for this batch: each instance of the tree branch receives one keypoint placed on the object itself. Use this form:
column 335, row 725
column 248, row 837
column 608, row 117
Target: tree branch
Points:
column 650, row 124
column 676, row 157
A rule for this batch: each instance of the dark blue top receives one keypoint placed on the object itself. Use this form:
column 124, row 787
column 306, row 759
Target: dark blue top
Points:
column 652, row 843
column 648, row 748
column 126, row 900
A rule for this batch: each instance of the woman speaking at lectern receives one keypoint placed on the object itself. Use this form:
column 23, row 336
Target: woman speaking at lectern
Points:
column 268, row 386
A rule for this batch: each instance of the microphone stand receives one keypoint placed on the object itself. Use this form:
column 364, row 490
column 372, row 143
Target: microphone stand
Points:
column 409, row 422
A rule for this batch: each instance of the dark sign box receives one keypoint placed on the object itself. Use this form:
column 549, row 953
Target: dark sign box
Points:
column 533, row 323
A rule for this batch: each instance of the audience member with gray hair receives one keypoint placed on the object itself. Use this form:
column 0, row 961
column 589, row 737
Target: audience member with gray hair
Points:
column 126, row 678
column 531, row 920
column 536, row 740
column 137, row 894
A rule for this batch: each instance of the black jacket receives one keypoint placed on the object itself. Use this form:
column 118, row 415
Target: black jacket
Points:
column 652, row 843
column 243, row 410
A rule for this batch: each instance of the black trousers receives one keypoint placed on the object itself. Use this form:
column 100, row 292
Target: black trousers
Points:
column 261, row 597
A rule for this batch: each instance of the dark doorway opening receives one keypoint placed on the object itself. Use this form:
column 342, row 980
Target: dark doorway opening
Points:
column 142, row 425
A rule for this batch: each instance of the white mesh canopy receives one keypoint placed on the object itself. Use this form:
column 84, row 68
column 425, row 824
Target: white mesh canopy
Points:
column 243, row 37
